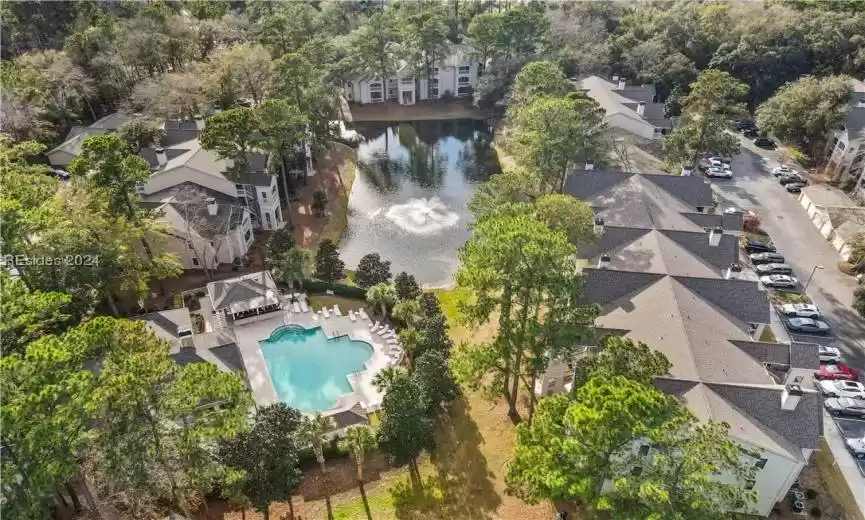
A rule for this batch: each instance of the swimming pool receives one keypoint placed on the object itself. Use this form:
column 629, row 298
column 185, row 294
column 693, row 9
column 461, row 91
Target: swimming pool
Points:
column 307, row 369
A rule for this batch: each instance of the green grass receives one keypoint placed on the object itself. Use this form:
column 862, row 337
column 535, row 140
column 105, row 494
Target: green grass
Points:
column 767, row 335
column 449, row 300
column 345, row 304
column 349, row 277
column 338, row 222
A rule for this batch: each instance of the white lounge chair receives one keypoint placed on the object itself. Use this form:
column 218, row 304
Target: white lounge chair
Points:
column 314, row 316
column 324, row 312
column 336, row 310
column 363, row 314
column 296, row 307
column 303, row 306
column 374, row 327
column 351, row 315
column 384, row 331
column 392, row 341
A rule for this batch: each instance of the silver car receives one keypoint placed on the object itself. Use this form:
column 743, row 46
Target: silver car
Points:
column 779, row 281
column 846, row 406
column 773, row 268
column 800, row 310
column 807, row 325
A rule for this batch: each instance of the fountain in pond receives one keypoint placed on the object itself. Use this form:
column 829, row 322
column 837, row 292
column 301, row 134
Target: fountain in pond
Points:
column 425, row 216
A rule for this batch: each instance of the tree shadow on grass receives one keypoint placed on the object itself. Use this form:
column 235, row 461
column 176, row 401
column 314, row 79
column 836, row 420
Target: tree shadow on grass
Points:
column 461, row 486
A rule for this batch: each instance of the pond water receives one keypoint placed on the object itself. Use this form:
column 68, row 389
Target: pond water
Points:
column 409, row 200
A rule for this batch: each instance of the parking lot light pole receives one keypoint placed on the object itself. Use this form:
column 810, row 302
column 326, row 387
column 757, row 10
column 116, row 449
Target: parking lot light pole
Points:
column 812, row 276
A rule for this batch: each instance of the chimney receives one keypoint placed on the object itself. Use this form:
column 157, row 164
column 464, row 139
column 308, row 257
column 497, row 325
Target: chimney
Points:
column 733, row 272
column 621, row 83
column 604, row 262
column 641, row 108
column 791, row 396
column 161, row 158
column 589, row 166
column 212, row 206
column 715, row 236
column 599, row 226
column 687, row 171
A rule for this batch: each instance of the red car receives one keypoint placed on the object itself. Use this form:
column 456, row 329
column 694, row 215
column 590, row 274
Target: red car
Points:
column 839, row 371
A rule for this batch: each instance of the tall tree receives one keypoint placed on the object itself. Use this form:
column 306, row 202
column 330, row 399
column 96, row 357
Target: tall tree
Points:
column 425, row 36
column 141, row 132
column 804, row 112
column 380, row 296
column 27, row 315
column 705, row 115
column 293, row 266
column 406, row 426
column 372, row 270
column 266, row 457
column 251, row 66
column 549, row 134
column 232, row 135
column 358, row 440
column 313, row 433
column 376, row 44
column 328, row 266
column 283, row 129
column 539, row 78
column 405, row 286
column 406, row 311
column 279, row 243
column 433, row 374
column 576, row 444
column 618, row 356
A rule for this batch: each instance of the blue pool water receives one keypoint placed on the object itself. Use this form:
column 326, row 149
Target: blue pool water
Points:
column 307, row 369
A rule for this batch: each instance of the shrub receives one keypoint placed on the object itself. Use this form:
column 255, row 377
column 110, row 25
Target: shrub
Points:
column 372, row 270
column 751, row 222
column 816, row 512
column 319, row 203
column 810, row 494
column 847, row 268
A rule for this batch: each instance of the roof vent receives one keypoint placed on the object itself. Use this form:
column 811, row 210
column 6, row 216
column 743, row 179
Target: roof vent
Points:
column 641, row 108
column 212, row 206
column 621, row 83
column 604, row 262
column 599, row 226
column 715, row 236
column 161, row 158
column 791, row 396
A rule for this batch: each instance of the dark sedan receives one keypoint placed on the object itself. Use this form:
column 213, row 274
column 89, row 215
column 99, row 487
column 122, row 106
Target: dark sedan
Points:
column 794, row 187
column 764, row 142
column 766, row 258
column 752, row 246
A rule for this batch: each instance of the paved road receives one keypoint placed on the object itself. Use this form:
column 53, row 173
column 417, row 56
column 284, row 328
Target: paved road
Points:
column 753, row 187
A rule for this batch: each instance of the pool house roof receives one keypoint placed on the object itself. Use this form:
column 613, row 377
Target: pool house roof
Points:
column 244, row 293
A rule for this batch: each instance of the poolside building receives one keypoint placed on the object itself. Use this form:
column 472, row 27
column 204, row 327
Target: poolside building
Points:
column 245, row 297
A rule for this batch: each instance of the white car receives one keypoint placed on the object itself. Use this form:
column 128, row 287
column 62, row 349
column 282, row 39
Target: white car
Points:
column 779, row 280
column 856, row 447
column 828, row 354
column 783, row 170
column 734, row 211
column 842, row 389
column 715, row 171
column 800, row 310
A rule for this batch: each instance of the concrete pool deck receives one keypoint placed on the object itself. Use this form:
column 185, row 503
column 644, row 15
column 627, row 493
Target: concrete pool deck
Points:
column 364, row 393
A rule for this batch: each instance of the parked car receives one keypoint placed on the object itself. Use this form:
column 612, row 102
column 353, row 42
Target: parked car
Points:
column 716, row 171
column 846, row 406
column 742, row 124
column 783, row 170
column 842, row 389
column 808, row 325
column 794, row 187
column 828, row 354
column 766, row 258
column 751, row 133
column 752, row 246
column 840, row 372
column 734, row 211
column 856, row 447
column 776, row 268
column 800, row 310
column 764, row 142
column 779, row 281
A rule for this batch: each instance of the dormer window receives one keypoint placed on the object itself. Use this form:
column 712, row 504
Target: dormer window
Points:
column 182, row 333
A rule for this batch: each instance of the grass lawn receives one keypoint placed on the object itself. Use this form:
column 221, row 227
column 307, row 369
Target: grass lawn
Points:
column 338, row 209
column 345, row 304
column 767, row 335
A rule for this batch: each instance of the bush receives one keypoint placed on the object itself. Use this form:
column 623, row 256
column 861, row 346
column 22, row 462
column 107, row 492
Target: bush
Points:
column 320, row 286
column 811, row 494
column 319, row 203
column 751, row 222
column 847, row 268
column 816, row 512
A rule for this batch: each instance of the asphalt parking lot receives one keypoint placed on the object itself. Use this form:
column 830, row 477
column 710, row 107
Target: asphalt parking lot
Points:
column 852, row 429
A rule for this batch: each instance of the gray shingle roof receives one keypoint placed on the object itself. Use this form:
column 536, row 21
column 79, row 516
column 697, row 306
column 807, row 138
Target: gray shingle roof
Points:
column 674, row 386
column 804, row 355
column 350, row 417
column 230, row 356
column 584, row 185
column 705, row 220
column 187, row 355
column 690, row 189
column 612, row 238
column 252, row 286
column 607, row 285
column 742, row 299
column 765, row 352
column 720, row 256
column 732, row 221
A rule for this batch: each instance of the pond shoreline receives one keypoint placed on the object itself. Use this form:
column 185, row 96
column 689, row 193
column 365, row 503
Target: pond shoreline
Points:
column 422, row 111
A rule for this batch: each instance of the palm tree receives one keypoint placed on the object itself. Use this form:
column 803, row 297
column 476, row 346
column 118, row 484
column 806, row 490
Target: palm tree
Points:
column 380, row 296
column 409, row 338
column 358, row 440
column 406, row 312
column 313, row 432
column 386, row 377
column 293, row 266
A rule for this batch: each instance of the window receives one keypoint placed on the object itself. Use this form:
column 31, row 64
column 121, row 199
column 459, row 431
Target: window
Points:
column 636, row 471
column 434, row 82
column 254, row 218
column 407, row 81
column 391, row 81
column 375, row 86
column 464, row 91
column 464, row 69
column 239, row 187
column 841, row 145
column 463, row 79
column 349, row 84
column 644, row 450
column 264, row 196
column 211, row 243
column 273, row 191
column 278, row 215
column 375, row 96
column 195, row 261
column 247, row 235
column 760, row 464
column 189, row 243
column 434, row 92
column 267, row 220
column 215, row 260
column 432, row 71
